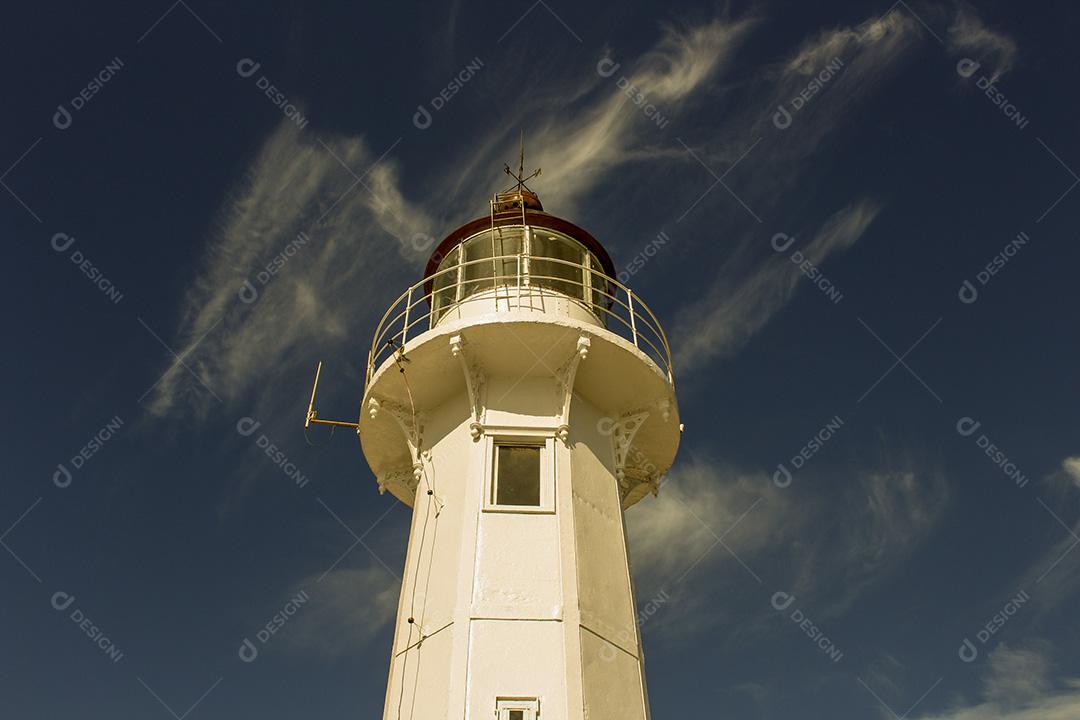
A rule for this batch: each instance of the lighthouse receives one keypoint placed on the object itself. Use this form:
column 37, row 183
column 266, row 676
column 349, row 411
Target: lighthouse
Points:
column 518, row 398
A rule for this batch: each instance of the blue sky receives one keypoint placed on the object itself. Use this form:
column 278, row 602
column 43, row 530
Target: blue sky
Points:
column 856, row 222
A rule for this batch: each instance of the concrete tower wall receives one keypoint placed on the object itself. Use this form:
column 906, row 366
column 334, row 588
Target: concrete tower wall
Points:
column 420, row 679
column 611, row 660
column 523, row 603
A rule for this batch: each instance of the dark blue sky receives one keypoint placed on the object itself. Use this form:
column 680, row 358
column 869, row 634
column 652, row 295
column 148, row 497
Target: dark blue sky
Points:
column 916, row 143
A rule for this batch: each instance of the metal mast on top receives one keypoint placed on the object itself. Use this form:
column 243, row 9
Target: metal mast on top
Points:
column 517, row 188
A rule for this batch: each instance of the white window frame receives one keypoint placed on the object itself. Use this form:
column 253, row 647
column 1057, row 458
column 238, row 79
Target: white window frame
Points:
column 541, row 438
column 504, row 705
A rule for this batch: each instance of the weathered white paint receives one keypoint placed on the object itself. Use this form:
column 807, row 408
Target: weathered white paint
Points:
column 534, row 604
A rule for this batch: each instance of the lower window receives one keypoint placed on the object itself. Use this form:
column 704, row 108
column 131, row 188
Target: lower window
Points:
column 517, row 475
column 517, row 708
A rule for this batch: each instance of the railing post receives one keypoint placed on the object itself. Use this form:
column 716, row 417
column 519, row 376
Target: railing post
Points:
column 633, row 322
column 405, row 327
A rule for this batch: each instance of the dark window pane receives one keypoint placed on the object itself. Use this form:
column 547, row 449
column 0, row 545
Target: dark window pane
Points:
column 517, row 715
column 518, row 479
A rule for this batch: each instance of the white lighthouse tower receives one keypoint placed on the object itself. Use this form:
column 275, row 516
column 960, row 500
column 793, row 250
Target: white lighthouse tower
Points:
column 519, row 399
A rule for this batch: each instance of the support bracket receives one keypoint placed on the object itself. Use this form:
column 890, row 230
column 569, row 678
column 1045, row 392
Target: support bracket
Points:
column 564, row 379
column 474, row 385
column 404, row 479
column 411, row 427
column 623, row 431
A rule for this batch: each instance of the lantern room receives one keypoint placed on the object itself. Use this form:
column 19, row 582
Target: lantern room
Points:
column 519, row 257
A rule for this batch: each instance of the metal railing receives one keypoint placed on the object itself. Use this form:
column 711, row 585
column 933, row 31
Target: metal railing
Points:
column 614, row 305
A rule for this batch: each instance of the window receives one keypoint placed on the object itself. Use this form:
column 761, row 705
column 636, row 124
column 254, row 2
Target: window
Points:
column 482, row 269
column 517, row 475
column 540, row 258
column 564, row 277
column 446, row 284
column 517, row 708
column 521, row 471
column 602, row 289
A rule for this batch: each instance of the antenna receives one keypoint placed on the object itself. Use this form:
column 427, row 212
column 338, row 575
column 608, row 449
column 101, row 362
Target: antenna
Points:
column 521, row 144
column 312, row 413
column 520, row 174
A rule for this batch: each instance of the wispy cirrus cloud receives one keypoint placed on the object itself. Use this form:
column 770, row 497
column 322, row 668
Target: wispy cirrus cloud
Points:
column 303, row 219
column 749, row 289
column 969, row 35
column 614, row 133
column 885, row 517
column 1018, row 685
column 1071, row 466
column 347, row 609
column 739, row 304
column 754, row 284
column 1056, row 571
column 581, row 130
column 715, row 531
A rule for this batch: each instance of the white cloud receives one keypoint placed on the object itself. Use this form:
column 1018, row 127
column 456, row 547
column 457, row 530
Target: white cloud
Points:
column 579, row 133
column 1056, row 571
column 1059, row 705
column 749, row 288
column 1016, row 676
column 1071, row 465
column 1017, row 686
column 967, row 34
column 698, row 502
column 865, row 535
column 674, row 548
column 317, row 295
column 739, row 305
column 582, row 153
column 829, row 545
column 346, row 610
column 885, row 673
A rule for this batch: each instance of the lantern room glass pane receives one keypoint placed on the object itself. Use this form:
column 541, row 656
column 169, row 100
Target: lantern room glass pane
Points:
column 567, row 278
column 505, row 257
column 491, row 259
column 602, row 289
column 444, row 288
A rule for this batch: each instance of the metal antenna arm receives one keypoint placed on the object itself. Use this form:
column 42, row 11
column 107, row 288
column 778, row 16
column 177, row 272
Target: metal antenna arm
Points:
column 311, row 404
column 313, row 414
